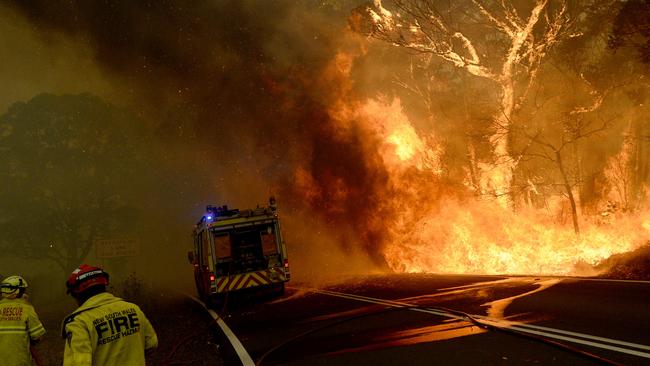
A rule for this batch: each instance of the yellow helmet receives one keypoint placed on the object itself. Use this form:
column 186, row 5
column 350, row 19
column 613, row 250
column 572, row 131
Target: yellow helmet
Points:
column 13, row 287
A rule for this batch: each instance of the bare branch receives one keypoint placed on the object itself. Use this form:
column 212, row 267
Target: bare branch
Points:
column 509, row 30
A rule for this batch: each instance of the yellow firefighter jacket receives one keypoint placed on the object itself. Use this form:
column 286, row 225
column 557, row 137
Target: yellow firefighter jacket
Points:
column 19, row 325
column 106, row 330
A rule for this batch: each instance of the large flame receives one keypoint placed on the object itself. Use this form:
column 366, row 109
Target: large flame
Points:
column 452, row 235
column 428, row 223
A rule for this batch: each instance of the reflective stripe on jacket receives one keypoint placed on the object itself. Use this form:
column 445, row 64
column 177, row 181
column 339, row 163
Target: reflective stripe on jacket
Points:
column 19, row 325
column 106, row 330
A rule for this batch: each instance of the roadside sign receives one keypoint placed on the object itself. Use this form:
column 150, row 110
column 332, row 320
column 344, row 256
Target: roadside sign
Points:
column 113, row 248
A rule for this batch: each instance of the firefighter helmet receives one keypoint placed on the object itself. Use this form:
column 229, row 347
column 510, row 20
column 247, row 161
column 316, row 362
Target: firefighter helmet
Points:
column 13, row 287
column 84, row 278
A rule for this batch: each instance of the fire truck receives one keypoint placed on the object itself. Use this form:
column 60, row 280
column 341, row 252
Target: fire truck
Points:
column 236, row 250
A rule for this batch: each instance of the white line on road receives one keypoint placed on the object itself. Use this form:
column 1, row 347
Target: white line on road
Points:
column 582, row 335
column 520, row 327
column 606, row 280
column 243, row 355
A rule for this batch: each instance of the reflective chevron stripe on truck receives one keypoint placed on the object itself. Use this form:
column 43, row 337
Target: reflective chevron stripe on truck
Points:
column 250, row 279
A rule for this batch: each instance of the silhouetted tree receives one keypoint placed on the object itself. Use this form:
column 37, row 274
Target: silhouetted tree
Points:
column 632, row 27
column 70, row 167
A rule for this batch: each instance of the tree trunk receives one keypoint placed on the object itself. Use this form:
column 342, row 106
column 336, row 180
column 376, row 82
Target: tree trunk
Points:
column 471, row 158
column 569, row 191
column 501, row 173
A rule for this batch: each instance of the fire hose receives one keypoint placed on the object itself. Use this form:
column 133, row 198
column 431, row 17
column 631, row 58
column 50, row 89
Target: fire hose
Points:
column 35, row 357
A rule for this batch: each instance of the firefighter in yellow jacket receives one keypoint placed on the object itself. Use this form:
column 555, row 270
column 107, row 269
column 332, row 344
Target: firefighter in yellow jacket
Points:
column 19, row 325
column 104, row 330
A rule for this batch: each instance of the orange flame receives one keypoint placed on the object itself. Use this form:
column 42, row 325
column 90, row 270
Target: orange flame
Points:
column 450, row 235
column 430, row 225
column 402, row 146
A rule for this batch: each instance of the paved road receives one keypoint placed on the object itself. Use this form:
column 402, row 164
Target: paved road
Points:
column 402, row 320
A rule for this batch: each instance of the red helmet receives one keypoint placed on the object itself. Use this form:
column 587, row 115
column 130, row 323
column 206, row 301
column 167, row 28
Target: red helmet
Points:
column 85, row 277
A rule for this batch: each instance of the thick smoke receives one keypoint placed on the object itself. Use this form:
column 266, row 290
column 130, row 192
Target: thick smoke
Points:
column 245, row 87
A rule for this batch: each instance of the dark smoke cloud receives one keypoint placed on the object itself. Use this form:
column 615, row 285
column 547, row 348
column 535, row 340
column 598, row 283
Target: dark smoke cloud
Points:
column 210, row 56
column 240, row 80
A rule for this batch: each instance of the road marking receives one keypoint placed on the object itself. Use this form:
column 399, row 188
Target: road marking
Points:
column 586, row 336
column 606, row 280
column 243, row 355
column 520, row 327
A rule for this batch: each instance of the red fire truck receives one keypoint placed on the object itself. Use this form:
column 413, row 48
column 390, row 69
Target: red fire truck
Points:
column 238, row 249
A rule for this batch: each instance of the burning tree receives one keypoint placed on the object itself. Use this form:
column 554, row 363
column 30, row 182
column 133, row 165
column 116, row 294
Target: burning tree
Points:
column 552, row 148
column 502, row 42
column 588, row 130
